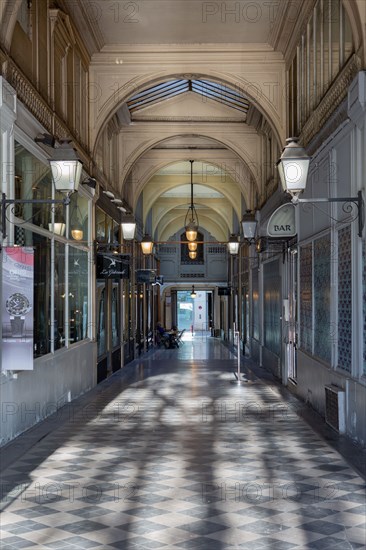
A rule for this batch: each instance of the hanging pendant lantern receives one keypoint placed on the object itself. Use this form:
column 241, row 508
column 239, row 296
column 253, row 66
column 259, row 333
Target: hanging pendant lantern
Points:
column 192, row 226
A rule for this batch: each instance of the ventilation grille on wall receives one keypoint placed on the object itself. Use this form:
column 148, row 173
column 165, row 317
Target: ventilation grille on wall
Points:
column 191, row 275
column 335, row 408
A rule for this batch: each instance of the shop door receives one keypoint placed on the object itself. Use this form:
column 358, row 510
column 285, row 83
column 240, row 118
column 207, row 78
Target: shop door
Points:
column 292, row 317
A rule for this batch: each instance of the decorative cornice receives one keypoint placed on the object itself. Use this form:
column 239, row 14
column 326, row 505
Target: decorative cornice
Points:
column 34, row 102
column 331, row 101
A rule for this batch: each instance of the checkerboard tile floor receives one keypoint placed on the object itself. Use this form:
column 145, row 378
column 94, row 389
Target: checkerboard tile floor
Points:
column 168, row 453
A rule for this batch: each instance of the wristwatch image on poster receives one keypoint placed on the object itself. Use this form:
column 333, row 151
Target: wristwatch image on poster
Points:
column 17, row 308
column 17, row 305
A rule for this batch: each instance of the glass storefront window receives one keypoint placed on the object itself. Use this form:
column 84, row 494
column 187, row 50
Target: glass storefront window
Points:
column 78, row 295
column 100, row 225
column 42, row 287
column 323, row 330
column 306, row 298
column 78, row 214
column 364, row 304
column 32, row 181
column 59, row 296
column 115, row 316
column 101, row 319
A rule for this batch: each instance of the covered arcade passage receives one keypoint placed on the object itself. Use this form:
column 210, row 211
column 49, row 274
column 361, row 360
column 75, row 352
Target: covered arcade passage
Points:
column 139, row 151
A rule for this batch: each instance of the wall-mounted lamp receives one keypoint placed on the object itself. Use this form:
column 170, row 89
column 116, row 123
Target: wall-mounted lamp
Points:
column 66, row 170
column 193, row 293
column 249, row 225
column 233, row 244
column 293, row 168
column 147, row 244
column 46, row 139
column 128, row 226
column 90, row 182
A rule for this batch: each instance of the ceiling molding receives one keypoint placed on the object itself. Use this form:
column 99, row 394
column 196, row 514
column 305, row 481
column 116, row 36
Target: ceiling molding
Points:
column 84, row 17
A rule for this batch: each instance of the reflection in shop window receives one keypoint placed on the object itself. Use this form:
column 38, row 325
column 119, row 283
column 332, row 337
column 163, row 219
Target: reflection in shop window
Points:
column 101, row 329
column 345, row 299
column 42, row 287
column 78, row 295
column 115, row 316
column 78, row 218
column 364, row 304
column 32, row 181
column 59, row 296
column 324, row 333
column 306, row 298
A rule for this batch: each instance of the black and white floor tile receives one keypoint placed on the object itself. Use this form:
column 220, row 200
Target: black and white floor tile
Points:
column 169, row 453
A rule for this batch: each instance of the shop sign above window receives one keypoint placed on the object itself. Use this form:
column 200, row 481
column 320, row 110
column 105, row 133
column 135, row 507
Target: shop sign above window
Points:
column 282, row 223
column 113, row 266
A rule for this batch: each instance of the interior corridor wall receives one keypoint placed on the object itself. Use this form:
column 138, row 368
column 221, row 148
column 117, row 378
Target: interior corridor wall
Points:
column 337, row 273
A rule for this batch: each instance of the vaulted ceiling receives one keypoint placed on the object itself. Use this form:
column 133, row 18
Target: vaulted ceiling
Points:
column 188, row 80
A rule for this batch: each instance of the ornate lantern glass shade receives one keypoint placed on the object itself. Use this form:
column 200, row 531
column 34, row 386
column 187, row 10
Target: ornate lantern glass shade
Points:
column 192, row 254
column 147, row 245
column 192, row 247
column 191, row 231
column 128, row 227
column 58, row 228
column 233, row 244
column 193, row 293
column 249, row 225
column 293, row 167
column 77, row 233
column 66, row 168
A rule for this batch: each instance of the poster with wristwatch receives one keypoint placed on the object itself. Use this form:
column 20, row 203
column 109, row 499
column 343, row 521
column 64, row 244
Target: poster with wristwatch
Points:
column 17, row 308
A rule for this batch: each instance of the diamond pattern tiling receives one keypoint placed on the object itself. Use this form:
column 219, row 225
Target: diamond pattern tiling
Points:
column 174, row 456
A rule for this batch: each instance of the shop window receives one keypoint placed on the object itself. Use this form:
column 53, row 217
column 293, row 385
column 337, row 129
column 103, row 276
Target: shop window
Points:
column 364, row 303
column 272, row 307
column 59, row 295
column 32, row 181
column 78, row 227
column 345, row 299
column 78, row 295
column 324, row 333
column 306, row 298
column 255, row 298
column 101, row 319
column 42, row 287
column 115, row 307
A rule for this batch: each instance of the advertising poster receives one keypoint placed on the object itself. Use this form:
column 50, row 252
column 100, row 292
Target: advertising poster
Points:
column 17, row 308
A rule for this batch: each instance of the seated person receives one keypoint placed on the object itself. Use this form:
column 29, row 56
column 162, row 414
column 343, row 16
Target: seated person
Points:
column 173, row 333
column 162, row 334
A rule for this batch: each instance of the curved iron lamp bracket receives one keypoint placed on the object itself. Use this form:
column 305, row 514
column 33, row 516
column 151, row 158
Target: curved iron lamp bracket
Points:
column 349, row 204
column 5, row 203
